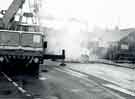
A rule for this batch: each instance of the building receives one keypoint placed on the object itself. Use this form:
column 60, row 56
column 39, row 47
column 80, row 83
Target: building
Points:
column 121, row 46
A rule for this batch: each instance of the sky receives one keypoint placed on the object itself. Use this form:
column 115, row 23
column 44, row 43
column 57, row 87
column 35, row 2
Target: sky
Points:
column 94, row 13
column 98, row 13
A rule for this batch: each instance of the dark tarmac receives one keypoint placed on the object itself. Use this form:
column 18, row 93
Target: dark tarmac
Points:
column 55, row 84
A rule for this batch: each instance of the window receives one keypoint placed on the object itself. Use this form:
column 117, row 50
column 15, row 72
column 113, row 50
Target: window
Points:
column 31, row 40
column 9, row 38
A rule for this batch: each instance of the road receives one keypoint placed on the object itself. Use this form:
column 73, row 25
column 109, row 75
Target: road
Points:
column 60, row 83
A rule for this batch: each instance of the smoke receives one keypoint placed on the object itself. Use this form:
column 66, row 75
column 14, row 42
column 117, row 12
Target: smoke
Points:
column 79, row 44
column 72, row 35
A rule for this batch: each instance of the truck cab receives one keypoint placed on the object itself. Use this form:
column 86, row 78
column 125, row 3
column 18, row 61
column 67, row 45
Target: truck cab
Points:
column 22, row 48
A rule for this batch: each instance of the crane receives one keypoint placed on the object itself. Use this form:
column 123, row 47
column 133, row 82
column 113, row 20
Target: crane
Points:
column 12, row 10
column 22, row 44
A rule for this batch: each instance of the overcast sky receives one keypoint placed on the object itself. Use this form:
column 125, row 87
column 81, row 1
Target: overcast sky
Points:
column 99, row 13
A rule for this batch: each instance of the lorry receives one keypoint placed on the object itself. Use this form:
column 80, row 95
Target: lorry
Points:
column 22, row 45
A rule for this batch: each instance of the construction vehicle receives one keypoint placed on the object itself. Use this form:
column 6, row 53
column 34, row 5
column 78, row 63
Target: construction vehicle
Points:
column 22, row 45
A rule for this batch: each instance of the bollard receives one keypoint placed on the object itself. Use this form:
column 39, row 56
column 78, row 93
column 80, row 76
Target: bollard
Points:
column 63, row 59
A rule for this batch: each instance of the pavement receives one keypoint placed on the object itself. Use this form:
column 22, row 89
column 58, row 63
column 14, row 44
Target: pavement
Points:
column 108, row 62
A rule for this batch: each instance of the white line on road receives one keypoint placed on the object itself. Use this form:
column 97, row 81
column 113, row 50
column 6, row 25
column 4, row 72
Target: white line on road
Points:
column 42, row 78
column 76, row 90
column 119, row 89
column 74, row 73
column 66, row 72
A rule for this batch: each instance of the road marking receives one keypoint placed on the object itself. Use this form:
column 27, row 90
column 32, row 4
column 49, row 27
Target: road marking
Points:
column 15, row 84
column 73, row 73
column 22, row 90
column 86, row 83
column 119, row 89
column 42, row 78
column 76, row 90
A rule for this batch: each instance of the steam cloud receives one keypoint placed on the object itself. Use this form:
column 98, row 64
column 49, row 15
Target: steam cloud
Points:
column 79, row 44
column 71, row 35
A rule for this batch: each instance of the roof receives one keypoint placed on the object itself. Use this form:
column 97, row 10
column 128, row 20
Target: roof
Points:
column 129, row 39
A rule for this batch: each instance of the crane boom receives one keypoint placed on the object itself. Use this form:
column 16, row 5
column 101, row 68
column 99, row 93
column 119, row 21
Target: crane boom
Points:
column 12, row 10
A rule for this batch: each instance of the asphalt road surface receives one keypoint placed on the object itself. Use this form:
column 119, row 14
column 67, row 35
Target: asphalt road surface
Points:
column 59, row 83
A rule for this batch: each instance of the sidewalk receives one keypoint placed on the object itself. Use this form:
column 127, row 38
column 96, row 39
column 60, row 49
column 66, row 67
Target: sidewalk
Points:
column 126, row 65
